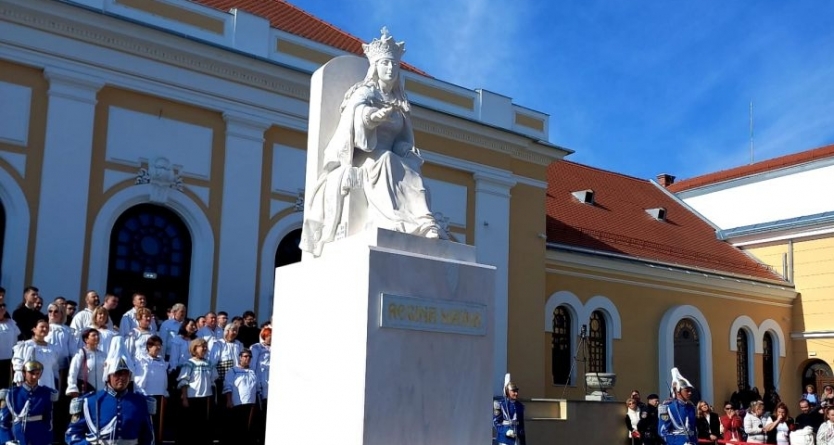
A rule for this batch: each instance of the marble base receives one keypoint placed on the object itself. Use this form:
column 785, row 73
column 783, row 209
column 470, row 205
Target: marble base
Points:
column 384, row 339
column 599, row 396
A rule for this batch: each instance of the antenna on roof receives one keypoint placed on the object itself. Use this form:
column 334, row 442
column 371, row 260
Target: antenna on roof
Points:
column 751, row 131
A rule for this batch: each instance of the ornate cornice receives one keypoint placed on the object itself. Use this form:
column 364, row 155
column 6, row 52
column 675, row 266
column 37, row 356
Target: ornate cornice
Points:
column 469, row 137
column 111, row 38
column 107, row 38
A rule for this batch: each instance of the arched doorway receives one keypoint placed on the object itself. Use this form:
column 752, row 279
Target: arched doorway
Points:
column 288, row 251
column 815, row 369
column 687, row 356
column 150, row 252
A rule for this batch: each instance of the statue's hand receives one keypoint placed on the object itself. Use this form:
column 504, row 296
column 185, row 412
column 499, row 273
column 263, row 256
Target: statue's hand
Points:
column 351, row 180
column 381, row 115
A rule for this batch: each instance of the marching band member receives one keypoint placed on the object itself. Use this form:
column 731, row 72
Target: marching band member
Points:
column 677, row 415
column 30, row 406
column 115, row 414
column 508, row 416
column 5, row 418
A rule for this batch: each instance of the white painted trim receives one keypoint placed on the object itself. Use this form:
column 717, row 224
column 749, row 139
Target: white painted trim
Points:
column 773, row 327
column 742, row 322
column 666, row 348
column 561, row 298
column 602, row 303
column 474, row 167
column 15, row 239
column 582, row 314
column 750, row 240
column 757, row 333
column 661, row 287
column 636, row 268
column 613, row 324
column 157, row 79
column 273, row 238
column 202, row 242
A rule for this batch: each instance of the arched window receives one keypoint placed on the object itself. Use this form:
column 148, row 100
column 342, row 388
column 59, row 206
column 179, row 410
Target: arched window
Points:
column 742, row 359
column 688, row 351
column 560, row 354
column 288, row 251
column 150, row 252
column 597, row 343
column 767, row 361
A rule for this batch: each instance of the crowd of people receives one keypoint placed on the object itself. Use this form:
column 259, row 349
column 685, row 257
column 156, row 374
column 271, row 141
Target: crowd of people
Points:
column 81, row 377
column 746, row 418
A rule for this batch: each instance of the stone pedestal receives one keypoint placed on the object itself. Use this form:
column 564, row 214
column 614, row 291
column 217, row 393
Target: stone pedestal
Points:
column 384, row 339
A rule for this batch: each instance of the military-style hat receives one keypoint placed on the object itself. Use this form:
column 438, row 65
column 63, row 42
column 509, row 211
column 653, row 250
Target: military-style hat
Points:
column 32, row 366
column 509, row 385
column 679, row 382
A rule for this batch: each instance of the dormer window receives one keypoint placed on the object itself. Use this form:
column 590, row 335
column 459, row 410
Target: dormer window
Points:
column 584, row 196
column 658, row 213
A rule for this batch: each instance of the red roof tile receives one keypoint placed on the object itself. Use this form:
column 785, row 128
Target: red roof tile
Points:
column 291, row 19
column 752, row 169
column 618, row 223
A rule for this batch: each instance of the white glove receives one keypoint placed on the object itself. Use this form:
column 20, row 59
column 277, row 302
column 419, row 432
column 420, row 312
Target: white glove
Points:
column 510, row 433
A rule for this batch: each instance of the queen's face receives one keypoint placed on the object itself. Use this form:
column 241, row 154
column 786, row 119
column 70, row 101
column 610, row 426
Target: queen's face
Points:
column 387, row 69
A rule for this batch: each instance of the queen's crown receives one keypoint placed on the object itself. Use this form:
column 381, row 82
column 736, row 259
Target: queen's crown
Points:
column 384, row 48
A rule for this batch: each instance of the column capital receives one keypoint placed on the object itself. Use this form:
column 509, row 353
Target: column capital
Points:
column 494, row 183
column 246, row 126
column 72, row 85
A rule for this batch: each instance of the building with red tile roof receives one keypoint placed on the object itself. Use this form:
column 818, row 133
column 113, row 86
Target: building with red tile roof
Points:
column 756, row 168
column 622, row 220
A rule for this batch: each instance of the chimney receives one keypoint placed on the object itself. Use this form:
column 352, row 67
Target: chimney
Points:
column 665, row 179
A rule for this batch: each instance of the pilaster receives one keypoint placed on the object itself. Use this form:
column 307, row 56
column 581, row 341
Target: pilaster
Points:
column 240, row 213
column 62, row 207
column 492, row 238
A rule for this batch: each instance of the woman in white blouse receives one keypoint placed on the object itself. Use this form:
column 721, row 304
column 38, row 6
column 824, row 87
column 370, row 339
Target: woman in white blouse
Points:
column 86, row 371
column 37, row 349
column 8, row 337
column 196, row 383
column 99, row 322
column 179, row 352
column 60, row 336
column 137, row 338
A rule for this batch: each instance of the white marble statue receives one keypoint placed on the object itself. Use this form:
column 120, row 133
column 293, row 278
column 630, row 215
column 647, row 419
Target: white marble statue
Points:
column 370, row 166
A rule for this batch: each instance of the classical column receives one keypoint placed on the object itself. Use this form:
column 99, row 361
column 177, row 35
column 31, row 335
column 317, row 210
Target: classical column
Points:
column 65, row 183
column 492, row 238
column 240, row 214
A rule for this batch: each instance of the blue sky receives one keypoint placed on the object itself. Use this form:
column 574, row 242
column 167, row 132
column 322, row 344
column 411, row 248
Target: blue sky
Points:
column 638, row 87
